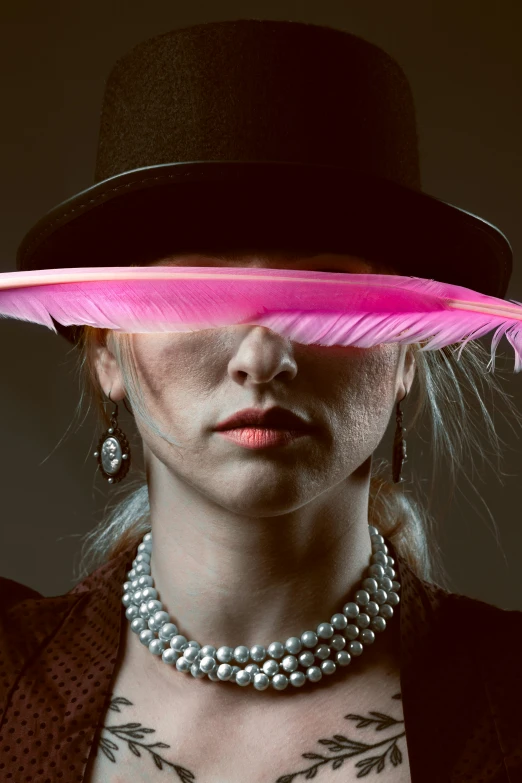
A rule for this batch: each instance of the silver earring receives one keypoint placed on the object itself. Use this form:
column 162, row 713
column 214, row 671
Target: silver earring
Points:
column 113, row 451
column 399, row 445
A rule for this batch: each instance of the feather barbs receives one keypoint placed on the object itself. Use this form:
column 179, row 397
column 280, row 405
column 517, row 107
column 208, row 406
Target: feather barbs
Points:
column 327, row 308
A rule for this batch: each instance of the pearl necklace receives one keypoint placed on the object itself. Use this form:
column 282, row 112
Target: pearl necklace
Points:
column 299, row 659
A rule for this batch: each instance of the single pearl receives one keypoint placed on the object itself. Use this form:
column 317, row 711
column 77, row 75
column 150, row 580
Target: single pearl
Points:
column 270, row 667
column 167, row 631
column 370, row 585
column 225, row 654
column 363, row 621
column 351, row 610
column 297, row 679
column 380, row 558
column 337, row 641
column 306, row 658
column 322, row 651
column 314, row 673
column 138, row 624
column 208, row 664
column 149, row 593
column 169, row 656
column 146, row 636
column 243, row 678
column 376, row 570
column 372, row 609
column 309, row 639
column 258, row 653
column 339, row 621
column 328, row 667
column 381, row 596
column 160, row 618
column 325, row 630
column 294, row 645
column 224, row 671
column 378, row 624
column 367, row 636
column 182, row 665
column 242, row 654
column 280, row 682
column 178, row 642
column 363, row 596
column 261, row 681
column 190, row 653
column 153, row 625
column 276, row 650
column 289, row 663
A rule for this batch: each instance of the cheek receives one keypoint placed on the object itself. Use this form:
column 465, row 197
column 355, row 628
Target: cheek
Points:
column 363, row 392
column 177, row 365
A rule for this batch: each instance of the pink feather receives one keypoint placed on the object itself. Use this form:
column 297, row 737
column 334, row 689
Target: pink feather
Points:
column 327, row 308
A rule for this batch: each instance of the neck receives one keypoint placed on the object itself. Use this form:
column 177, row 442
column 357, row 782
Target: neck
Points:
column 228, row 578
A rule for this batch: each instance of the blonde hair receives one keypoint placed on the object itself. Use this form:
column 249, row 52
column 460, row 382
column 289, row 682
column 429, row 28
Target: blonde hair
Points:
column 447, row 395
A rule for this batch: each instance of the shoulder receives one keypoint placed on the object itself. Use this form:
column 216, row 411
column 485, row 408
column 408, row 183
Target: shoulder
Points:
column 479, row 632
column 11, row 593
column 28, row 620
column 485, row 633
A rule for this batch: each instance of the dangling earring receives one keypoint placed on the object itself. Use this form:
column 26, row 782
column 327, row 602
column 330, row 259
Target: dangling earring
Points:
column 399, row 445
column 113, row 451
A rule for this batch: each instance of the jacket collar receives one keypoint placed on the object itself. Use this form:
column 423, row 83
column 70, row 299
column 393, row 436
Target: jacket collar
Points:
column 442, row 680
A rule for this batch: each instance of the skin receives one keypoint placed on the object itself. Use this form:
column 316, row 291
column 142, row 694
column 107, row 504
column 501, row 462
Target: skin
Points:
column 255, row 546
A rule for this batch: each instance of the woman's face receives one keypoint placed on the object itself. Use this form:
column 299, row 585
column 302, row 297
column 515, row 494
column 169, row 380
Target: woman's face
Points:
column 192, row 381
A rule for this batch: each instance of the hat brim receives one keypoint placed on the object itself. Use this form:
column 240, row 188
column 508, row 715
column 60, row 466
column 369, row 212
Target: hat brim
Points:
column 149, row 213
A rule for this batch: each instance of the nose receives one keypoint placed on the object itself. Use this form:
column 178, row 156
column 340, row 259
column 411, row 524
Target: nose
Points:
column 262, row 356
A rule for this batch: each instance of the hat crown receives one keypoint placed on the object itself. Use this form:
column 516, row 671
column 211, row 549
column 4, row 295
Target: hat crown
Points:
column 259, row 90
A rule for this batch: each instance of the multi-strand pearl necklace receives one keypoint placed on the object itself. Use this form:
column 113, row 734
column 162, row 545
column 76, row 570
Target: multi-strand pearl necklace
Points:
column 300, row 658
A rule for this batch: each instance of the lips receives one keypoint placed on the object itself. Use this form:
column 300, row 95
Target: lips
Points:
column 274, row 419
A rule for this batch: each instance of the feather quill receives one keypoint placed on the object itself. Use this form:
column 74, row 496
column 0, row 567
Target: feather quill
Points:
column 327, row 308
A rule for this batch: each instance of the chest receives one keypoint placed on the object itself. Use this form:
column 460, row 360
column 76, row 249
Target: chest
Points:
column 217, row 733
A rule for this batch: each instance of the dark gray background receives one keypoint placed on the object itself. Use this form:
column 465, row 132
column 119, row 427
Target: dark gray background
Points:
column 464, row 63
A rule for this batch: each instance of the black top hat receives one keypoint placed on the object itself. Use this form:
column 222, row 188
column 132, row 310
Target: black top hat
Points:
column 258, row 134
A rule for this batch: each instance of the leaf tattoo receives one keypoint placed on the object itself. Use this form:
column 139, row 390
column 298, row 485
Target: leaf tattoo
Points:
column 347, row 748
column 130, row 733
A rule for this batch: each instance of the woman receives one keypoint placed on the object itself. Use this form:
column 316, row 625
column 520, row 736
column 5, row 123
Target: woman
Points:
column 263, row 542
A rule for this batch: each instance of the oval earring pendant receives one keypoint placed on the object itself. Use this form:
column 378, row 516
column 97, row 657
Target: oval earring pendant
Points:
column 113, row 453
